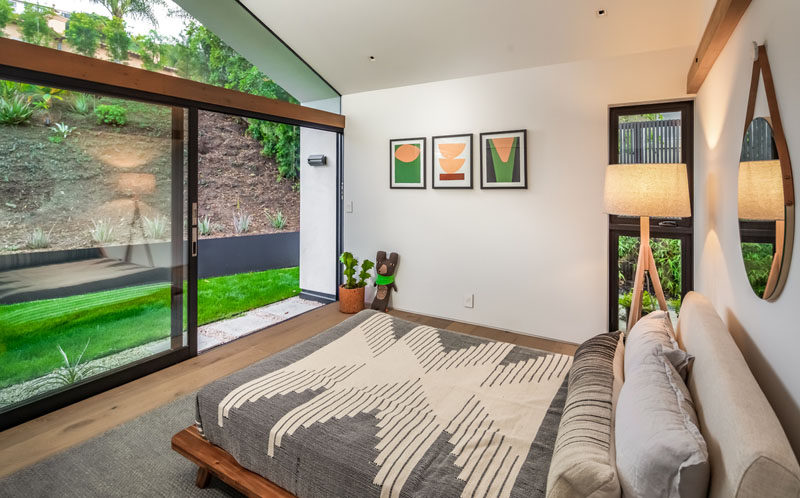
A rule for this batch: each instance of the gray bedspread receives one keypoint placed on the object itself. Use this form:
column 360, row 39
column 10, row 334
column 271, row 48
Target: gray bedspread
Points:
column 379, row 406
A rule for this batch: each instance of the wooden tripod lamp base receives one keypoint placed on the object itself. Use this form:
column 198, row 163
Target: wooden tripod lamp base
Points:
column 646, row 263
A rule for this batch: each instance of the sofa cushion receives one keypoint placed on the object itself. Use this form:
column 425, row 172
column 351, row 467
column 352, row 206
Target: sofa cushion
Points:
column 583, row 458
column 749, row 453
column 652, row 330
column 660, row 451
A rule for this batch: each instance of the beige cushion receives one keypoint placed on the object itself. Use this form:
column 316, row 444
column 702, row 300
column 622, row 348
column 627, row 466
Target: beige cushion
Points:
column 748, row 450
column 583, row 458
column 652, row 330
column 660, row 451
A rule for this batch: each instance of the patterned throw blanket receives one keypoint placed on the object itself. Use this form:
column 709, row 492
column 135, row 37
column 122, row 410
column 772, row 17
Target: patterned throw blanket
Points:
column 379, row 406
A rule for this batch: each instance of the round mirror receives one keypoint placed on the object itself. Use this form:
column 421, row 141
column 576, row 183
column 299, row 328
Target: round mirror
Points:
column 766, row 214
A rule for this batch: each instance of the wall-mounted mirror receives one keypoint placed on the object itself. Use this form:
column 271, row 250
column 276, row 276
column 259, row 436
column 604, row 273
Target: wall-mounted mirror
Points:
column 766, row 192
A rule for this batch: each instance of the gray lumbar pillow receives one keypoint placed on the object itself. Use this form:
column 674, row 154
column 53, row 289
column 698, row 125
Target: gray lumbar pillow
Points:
column 660, row 451
column 583, row 456
column 655, row 329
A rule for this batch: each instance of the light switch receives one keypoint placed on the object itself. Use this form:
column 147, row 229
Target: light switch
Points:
column 469, row 300
column 348, row 207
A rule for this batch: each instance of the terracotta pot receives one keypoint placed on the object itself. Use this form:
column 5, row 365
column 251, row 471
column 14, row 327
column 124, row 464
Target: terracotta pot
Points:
column 351, row 300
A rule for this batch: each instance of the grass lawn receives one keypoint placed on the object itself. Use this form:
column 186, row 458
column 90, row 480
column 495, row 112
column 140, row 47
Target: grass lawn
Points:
column 117, row 320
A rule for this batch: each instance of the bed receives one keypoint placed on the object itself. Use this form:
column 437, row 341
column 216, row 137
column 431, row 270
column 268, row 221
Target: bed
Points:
column 379, row 406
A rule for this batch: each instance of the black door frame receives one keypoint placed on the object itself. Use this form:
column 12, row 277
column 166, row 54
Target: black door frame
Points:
column 47, row 402
column 682, row 229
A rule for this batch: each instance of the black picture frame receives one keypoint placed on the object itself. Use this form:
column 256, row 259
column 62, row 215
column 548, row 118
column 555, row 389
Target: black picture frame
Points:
column 470, row 175
column 423, row 172
column 523, row 167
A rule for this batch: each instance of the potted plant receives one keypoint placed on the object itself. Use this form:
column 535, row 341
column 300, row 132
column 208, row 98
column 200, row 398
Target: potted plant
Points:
column 351, row 293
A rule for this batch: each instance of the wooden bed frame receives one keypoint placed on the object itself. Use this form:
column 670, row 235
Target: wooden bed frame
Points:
column 213, row 460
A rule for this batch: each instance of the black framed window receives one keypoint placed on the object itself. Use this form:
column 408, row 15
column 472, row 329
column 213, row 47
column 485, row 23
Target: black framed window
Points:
column 651, row 134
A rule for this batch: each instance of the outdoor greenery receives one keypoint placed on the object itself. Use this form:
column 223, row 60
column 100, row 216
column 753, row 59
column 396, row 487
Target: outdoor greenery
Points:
column 757, row 264
column 276, row 220
column 14, row 110
column 350, row 263
column 33, row 333
column 197, row 54
column 115, row 115
column 38, row 239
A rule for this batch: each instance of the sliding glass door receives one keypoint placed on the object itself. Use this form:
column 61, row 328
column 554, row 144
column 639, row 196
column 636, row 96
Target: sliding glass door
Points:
column 93, row 264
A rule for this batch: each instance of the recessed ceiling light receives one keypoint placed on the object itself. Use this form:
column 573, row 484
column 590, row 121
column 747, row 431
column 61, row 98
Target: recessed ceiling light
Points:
column 372, row 58
column 601, row 12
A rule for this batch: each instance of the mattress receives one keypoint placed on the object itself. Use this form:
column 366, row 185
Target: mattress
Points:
column 382, row 407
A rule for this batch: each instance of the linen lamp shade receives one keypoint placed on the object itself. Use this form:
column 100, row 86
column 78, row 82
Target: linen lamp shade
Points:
column 761, row 190
column 657, row 190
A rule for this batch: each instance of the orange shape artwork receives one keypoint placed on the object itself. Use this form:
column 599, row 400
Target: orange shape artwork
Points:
column 451, row 165
column 503, row 147
column 450, row 151
column 407, row 152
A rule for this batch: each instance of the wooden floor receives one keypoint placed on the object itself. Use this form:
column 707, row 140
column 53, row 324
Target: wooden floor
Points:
column 32, row 441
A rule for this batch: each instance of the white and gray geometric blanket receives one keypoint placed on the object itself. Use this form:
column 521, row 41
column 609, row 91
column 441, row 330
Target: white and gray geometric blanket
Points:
column 383, row 407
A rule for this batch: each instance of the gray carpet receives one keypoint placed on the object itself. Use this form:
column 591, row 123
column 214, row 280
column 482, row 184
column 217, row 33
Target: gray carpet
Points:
column 134, row 459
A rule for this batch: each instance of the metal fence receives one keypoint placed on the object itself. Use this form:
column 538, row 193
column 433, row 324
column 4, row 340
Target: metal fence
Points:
column 650, row 142
column 759, row 144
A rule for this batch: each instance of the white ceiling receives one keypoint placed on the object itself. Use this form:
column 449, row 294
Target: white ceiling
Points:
column 417, row 41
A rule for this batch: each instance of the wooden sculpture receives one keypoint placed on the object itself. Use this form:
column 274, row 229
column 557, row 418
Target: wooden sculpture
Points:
column 384, row 279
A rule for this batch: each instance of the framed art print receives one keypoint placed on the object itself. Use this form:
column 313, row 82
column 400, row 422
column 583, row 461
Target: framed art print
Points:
column 407, row 163
column 503, row 159
column 452, row 161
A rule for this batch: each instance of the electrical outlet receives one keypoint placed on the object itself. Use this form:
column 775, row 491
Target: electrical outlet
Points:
column 469, row 300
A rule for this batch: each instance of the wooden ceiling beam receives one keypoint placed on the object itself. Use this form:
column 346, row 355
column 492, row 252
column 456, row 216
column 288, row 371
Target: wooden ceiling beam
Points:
column 16, row 54
column 724, row 19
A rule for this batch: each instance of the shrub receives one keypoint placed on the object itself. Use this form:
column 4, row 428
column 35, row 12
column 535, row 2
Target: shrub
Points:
column 114, row 115
column 277, row 220
column 6, row 12
column 241, row 222
column 38, row 239
column 150, row 50
column 15, row 110
column 204, row 225
column 83, row 32
column 33, row 24
column 102, row 231
column 117, row 39
column 82, row 103
column 281, row 142
column 155, row 228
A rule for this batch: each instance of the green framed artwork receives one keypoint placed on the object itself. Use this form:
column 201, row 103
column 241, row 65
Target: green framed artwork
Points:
column 504, row 159
column 407, row 163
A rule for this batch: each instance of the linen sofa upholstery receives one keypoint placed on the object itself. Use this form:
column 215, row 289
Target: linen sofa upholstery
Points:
column 748, row 450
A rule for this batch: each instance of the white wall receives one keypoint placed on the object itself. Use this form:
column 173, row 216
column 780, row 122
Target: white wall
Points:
column 767, row 333
column 318, row 213
column 535, row 259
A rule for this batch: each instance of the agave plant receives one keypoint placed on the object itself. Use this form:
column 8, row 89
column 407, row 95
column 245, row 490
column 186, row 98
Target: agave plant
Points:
column 15, row 110
column 204, row 225
column 102, row 231
column 82, row 104
column 70, row 373
column 241, row 222
column 39, row 239
column 62, row 129
column 155, row 228
column 276, row 220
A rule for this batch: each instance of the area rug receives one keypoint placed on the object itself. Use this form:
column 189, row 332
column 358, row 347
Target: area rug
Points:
column 133, row 459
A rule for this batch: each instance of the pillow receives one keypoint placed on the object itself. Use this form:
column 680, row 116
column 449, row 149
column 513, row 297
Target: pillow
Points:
column 659, row 448
column 650, row 331
column 583, row 456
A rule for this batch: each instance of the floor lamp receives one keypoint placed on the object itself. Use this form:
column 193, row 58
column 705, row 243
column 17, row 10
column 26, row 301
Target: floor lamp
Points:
column 761, row 199
column 646, row 190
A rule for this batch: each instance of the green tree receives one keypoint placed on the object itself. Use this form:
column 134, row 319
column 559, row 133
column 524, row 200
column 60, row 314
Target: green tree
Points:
column 134, row 9
column 151, row 50
column 117, row 39
column 6, row 12
column 33, row 23
column 83, row 32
